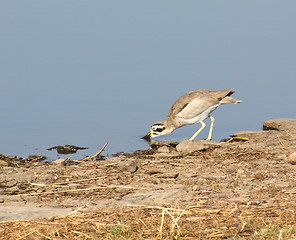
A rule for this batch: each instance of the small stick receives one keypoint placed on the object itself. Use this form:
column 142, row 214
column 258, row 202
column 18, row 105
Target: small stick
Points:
column 75, row 181
column 175, row 220
column 68, row 214
column 243, row 226
column 94, row 156
column 63, row 183
column 162, row 220
column 83, row 189
column 154, row 207
column 37, row 184
column 81, row 233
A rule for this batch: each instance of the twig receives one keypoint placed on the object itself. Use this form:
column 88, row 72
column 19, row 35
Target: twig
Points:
column 162, row 221
column 144, row 223
column 38, row 184
column 25, row 236
column 81, row 233
column 165, row 210
column 94, row 156
column 233, row 210
column 243, row 226
column 82, row 189
column 291, row 135
column 176, row 164
column 154, row 207
column 69, row 214
column 175, row 220
column 280, row 235
column 63, row 183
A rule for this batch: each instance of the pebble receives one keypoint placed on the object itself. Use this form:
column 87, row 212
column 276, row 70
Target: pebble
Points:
column 292, row 158
column 59, row 161
column 169, row 175
column 12, row 190
column 281, row 156
column 128, row 166
column 3, row 163
column 163, row 149
column 9, row 184
column 187, row 146
column 253, row 203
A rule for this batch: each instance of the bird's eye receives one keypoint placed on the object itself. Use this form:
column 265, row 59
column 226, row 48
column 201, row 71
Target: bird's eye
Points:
column 157, row 128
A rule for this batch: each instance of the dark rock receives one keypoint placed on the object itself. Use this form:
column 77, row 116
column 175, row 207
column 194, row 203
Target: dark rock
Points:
column 67, row 149
column 35, row 158
column 157, row 144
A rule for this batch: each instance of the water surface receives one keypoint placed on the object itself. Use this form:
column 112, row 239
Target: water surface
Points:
column 88, row 72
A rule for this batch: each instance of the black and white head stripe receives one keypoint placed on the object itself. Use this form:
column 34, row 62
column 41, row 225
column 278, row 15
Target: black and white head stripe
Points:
column 157, row 127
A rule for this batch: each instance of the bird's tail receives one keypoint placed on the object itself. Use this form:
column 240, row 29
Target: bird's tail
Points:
column 228, row 99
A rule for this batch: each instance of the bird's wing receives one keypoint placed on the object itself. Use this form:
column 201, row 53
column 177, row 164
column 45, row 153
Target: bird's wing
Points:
column 194, row 103
column 196, row 107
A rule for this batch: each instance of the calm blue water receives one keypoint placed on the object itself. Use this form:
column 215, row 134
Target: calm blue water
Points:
column 87, row 72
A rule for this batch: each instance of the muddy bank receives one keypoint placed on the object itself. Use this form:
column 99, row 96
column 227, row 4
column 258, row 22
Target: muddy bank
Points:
column 253, row 170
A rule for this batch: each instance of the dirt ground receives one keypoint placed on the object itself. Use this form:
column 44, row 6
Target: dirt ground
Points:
column 241, row 189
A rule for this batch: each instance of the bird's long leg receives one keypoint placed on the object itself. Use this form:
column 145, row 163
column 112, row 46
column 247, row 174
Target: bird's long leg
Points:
column 198, row 131
column 211, row 128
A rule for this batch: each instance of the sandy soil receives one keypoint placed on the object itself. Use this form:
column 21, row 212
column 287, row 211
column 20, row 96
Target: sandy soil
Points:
column 253, row 173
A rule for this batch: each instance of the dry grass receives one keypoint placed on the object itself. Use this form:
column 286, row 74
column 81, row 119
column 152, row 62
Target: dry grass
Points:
column 147, row 222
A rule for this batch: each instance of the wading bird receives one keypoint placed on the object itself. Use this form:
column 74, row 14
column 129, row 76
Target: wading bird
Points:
column 191, row 108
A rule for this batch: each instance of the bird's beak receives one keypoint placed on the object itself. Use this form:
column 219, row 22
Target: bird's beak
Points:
column 148, row 136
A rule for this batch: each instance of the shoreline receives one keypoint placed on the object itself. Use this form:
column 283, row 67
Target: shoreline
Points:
column 254, row 172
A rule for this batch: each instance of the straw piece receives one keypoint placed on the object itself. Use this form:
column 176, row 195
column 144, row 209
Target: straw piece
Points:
column 94, row 156
column 63, row 183
column 79, row 190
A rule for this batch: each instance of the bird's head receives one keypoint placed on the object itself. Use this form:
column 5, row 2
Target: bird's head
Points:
column 157, row 129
